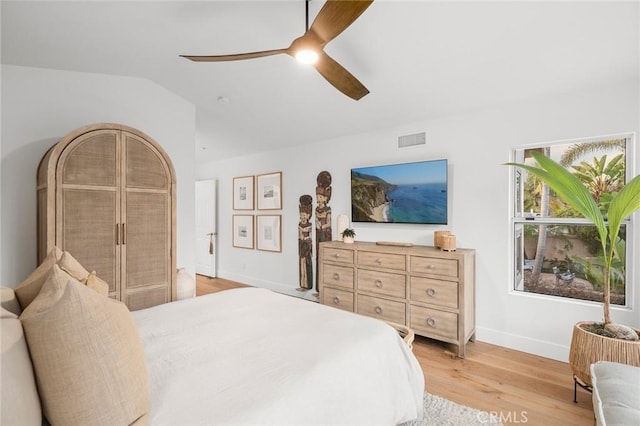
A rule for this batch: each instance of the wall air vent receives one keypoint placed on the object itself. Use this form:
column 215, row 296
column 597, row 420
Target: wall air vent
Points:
column 408, row 141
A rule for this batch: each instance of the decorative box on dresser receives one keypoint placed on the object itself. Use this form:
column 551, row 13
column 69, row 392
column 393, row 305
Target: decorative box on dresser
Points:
column 428, row 290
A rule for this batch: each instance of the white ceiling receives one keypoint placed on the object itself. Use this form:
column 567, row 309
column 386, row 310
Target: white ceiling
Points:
column 419, row 59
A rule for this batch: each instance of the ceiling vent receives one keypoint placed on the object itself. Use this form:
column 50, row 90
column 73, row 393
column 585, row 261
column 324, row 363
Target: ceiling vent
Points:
column 408, row 141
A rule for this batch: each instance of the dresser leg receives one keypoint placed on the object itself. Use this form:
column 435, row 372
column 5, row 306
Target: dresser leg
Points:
column 461, row 351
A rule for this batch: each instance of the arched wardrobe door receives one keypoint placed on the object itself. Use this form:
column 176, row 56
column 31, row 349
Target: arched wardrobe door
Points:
column 147, row 224
column 106, row 194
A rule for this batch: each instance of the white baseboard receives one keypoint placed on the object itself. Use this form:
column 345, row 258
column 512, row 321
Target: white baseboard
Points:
column 525, row 344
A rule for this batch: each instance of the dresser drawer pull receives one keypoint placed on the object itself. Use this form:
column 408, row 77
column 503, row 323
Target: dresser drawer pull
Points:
column 430, row 266
column 336, row 276
column 378, row 283
column 379, row 261
column 336, row 255
column 336, row 300
column 431, row 322
column 378, row 310
column 431, row 292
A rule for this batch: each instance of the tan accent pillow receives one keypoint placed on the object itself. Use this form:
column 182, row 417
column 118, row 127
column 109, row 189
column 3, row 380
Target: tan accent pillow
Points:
column 18, row 393
column 72, row 267
column 97, row 284
column 9, row 301
column 87, row 355
column 28, row 289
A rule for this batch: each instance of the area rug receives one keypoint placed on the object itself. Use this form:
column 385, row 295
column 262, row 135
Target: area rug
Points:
column 442, row 412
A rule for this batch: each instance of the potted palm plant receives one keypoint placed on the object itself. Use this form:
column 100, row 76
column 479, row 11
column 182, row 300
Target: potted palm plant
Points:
column 592, row 341
column 348, row 235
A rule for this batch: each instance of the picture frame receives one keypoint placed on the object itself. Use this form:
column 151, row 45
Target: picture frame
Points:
column 243, row 231
column 243, row 189
column 269, row 191
column 269, row 232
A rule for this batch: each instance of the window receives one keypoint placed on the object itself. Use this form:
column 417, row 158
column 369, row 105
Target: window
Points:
column 557, row 252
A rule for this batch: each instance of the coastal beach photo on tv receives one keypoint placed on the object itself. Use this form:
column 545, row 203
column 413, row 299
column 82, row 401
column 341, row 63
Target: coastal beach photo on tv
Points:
column 400, row 193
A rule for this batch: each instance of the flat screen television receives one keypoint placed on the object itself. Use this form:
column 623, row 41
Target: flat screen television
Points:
column 400, row 193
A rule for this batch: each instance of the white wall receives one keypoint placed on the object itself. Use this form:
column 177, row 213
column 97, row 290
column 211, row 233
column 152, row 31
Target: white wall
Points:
column 476, row 145
column 40, row 106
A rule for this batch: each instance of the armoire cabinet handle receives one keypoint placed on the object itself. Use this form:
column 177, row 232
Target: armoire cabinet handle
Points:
column 124, row 234
column 117, row 234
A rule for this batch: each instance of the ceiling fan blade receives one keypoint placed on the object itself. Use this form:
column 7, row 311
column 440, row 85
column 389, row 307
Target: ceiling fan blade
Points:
column 335, row 16
column 234, row 57
column 339, row 77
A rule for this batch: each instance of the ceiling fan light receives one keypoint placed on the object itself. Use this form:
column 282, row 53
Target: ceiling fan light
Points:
column 306, row 56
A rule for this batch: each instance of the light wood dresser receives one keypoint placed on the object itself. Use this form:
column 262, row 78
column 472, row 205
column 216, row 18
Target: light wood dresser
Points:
column 428, row 290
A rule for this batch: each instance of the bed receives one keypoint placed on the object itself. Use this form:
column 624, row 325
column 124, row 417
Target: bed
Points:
column 242, row 356
column 266, row 358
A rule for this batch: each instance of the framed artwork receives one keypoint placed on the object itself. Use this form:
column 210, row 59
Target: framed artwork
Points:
column 243, row 193
column 269, row 232
column 269, row 191
column 243, row 231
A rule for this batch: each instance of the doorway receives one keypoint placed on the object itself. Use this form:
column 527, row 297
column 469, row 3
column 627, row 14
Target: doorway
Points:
column 206, row 228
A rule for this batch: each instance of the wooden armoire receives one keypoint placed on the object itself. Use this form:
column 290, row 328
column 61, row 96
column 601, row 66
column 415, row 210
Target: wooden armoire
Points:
column 107, row 195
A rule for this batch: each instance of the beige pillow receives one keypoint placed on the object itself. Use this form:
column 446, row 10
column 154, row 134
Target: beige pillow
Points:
column 18, row 393
column 28, row 289
column 72, row 267
column 9, row 301
column 97, row 284
column 87, row 355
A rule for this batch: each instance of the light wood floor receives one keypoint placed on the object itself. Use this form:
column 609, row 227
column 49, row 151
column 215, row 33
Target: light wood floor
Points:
column 520, row 388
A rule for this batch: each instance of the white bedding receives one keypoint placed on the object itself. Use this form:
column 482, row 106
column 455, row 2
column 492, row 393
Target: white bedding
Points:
column 251, row 356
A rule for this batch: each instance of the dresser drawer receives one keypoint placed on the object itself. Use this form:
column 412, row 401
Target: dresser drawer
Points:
column 382, row 260
column 436, row 292
column 434, row 323
column 384, row 283
column 434, row 265
column 337, row 298
column 338, row 255
column 386, row 310
column 340, row 276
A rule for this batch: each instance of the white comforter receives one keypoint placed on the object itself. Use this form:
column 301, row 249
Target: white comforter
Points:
column 251, row 356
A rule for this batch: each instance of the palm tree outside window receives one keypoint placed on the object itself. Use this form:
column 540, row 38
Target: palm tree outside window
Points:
column 556, row 251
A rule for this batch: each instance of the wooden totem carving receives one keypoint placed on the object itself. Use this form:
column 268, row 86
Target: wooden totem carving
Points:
column 305, row 245
column 323, row 211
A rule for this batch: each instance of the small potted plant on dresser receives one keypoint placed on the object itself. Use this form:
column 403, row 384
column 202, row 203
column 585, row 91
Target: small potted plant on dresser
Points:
column 348, row 235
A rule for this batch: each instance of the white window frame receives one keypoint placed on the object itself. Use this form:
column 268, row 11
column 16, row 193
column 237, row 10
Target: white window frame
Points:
column 518, row 217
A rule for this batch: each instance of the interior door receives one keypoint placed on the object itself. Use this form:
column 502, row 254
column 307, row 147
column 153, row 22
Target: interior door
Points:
column 206, row 241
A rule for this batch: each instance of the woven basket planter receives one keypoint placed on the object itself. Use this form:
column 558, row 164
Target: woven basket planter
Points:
column 588, row 348
column 405, row 332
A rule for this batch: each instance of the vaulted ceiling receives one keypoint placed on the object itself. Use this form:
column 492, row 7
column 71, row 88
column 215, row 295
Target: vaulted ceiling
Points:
column 419, row 59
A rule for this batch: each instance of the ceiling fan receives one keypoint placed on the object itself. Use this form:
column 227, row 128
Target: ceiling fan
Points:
column 334, row 17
